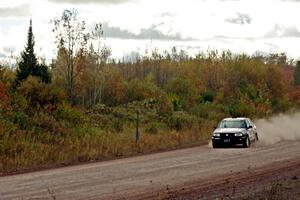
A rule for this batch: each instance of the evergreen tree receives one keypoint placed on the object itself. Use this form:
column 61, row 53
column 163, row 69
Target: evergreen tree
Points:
column 43, row 73
column 297, row 74
column 29, row 64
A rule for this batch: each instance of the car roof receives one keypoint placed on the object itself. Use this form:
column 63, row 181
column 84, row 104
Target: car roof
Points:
column 233, row 119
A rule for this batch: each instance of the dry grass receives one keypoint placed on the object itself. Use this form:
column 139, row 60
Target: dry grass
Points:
column 26, row 151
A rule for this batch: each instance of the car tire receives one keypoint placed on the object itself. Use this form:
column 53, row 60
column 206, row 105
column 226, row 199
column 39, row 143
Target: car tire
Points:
column 214, row 145
column 246, row 143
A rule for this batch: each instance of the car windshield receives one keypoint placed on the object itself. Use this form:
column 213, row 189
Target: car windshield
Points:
column 232, row 124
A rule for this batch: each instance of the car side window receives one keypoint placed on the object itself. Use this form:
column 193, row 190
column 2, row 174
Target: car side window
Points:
column 248, row 122
column 251, row 123
column 244, row 124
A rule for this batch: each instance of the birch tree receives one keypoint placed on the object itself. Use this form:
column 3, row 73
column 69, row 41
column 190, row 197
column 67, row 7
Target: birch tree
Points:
column 71, row 39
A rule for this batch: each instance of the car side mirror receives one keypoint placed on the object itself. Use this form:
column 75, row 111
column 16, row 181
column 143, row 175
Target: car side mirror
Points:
column 250, row 127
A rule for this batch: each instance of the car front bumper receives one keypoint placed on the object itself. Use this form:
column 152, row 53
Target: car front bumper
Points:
column 229, row 140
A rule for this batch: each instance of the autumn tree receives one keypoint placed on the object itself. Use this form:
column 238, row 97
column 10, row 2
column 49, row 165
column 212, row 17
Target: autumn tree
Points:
column 115, row 88
column 280, row 59
column 5, row 99
column 297, row 74
column 183, row 89
column 95, row 60
column 71, row 39
column 139, row 90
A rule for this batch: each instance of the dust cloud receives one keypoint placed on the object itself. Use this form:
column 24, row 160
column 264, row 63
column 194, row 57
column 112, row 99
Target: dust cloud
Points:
column 279, row 128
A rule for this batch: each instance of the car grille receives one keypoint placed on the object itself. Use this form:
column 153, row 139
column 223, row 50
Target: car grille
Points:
column 226, row 135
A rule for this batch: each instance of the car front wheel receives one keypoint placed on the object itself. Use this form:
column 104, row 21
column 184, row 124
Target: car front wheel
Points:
column 246, row 143
column 215, row 145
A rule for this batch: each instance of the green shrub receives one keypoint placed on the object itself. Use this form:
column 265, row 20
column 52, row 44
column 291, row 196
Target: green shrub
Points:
column 152, row 128
column 46, row 123
column 282, row 104
column 176, row 103
column 248, row 90
column 150, row 103
column 21, row 119
column 203, row 110
column 180, row 120
column 241, row 109
column 31, row 89
column 183, row 89
column 117, row 125
column 207, row 96
column 139, row 90
column 164, row 106
column 68, row 114
column 19, row 103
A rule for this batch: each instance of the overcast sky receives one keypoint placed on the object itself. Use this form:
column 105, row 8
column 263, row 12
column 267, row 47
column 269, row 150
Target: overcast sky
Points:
column 269, row 26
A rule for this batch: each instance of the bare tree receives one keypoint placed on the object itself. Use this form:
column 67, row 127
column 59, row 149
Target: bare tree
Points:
column 72, row 38
column 101, row 54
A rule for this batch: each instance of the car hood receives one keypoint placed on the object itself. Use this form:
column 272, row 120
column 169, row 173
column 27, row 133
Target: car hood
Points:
column 229, row 130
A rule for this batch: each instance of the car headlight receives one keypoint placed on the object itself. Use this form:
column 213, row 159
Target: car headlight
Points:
column 238, row 134
column 216, row 135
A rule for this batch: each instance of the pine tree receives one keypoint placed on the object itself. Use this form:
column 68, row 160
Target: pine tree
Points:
column 43, row 73
column 297, row 74
column 29, row 64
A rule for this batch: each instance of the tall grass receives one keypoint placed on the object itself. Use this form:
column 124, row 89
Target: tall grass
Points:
column 21, row 150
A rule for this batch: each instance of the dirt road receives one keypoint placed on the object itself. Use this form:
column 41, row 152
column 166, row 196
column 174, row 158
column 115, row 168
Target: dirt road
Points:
column 149, row 176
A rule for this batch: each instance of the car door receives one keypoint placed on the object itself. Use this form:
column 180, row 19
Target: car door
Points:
column 254, row 130
column 251, row 131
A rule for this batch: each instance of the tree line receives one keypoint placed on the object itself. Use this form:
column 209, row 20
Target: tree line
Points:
column 82, row 71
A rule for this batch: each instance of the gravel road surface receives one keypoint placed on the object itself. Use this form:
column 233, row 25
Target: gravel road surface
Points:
column 146, row 176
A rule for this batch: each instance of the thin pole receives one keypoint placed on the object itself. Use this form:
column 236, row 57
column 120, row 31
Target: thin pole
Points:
column 137, row 134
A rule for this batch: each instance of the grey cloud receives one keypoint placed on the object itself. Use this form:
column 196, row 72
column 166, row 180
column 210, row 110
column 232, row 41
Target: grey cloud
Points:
column 154, row 33
column 291, row 32
column 281, row 32
column 146, row 33
column 189, row 47
column 166, row 14
column 92, row 1
column 272, row 45
column 2, row 55
column 9, row 49
column 18, row 11
column 226, row 38
column 276, row 32
column 116, row 32
column 240, row 19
